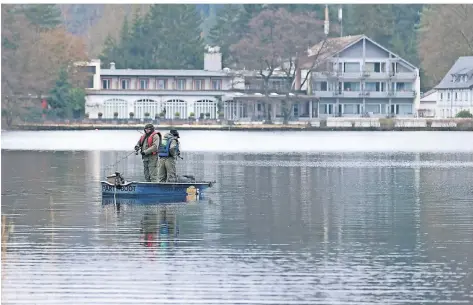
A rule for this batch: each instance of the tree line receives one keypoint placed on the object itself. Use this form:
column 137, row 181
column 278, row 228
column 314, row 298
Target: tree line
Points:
column 38, row 53
column 40, row 41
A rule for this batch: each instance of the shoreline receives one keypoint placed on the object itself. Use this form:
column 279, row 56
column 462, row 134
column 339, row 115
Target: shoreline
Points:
column 246, row 127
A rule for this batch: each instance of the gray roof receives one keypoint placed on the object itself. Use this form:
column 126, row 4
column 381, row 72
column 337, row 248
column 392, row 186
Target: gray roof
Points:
column 161, row 72
column 463, row 65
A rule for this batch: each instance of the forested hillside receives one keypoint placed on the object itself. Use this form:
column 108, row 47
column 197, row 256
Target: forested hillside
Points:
column 40, row 40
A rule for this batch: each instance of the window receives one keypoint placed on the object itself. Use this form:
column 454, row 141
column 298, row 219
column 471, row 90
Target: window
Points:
column 441, row 96
column 144, row 83
column 199, row 84
column 216, row 84
column 403, row 86
column 456, row 96
column 375, row 86
column 181, row 84
column 106, row 83
column 125, row 84
column 348, row 86
column 161, row 84
column 321, row 86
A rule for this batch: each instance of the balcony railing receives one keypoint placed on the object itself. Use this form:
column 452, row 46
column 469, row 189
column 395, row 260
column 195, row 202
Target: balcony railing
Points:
column 366, row 75
column 364, row 94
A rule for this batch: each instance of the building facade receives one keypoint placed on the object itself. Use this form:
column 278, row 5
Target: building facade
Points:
column 455, row 90
column 359, row 77
column 428, row 104
column 353, row 76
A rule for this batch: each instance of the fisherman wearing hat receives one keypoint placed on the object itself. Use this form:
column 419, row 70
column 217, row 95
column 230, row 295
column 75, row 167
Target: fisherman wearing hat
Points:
column 168, row 151
column 149, row 143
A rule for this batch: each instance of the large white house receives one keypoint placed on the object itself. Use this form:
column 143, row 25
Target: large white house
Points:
column 178, row 93
column 358, row 76
column 353, row 76
column 455, row 91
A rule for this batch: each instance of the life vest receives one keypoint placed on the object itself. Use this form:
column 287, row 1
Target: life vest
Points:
column 150, row 139
column 164, row 148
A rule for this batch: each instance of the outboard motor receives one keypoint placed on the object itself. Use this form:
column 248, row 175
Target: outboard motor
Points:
column 116, row 180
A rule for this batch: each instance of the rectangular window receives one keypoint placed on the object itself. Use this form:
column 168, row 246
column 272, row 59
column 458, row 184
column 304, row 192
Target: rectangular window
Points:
column 144, row 82
column 181, row 84
column 161, row 84
column 199, row 84
column 349, row 86
column 125, row 84
column 403, row 86
column 106, row 83
column 216, row 84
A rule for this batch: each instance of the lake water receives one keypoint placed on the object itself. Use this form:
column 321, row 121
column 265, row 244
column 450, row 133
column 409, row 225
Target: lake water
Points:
column 294, row 218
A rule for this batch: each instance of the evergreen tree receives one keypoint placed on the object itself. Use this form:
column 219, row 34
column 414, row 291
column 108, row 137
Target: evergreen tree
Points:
column 59, row 95
column 230, row 28
column 45, row 16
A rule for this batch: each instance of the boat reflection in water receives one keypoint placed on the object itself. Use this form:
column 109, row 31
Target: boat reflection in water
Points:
column 159, row 225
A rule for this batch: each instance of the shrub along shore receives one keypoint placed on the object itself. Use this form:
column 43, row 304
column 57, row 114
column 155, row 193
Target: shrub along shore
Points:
column 332, row 124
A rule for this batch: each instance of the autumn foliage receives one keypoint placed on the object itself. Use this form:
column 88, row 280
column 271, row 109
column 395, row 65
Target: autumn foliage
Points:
column 32, row 57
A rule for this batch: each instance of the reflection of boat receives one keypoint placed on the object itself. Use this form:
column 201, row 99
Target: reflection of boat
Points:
column 117, row 186
column 161, row 228
column 146, row 200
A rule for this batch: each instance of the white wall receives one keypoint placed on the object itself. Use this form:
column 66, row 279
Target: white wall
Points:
column 124, row 104
column 449, row 104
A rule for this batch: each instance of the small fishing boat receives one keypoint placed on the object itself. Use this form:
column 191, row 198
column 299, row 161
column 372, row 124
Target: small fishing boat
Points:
column 186, row 188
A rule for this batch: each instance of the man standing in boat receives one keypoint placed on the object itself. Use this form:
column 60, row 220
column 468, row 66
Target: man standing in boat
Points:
column 168, row 152
column 149, row 143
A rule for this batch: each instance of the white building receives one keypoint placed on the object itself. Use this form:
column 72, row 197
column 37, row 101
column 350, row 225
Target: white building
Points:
column 455, row 91
column 428, row 104
column 358, row 76
column 354, row 76
column 178, row 93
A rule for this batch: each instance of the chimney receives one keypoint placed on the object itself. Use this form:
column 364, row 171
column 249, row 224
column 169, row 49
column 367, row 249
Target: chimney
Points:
column 112, row 66
column 212, row 59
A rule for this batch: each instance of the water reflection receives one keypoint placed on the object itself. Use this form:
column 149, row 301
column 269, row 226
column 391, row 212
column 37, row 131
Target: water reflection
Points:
column 298, row 228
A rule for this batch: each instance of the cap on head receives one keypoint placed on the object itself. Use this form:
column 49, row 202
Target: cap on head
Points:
column 149, row 126
column 174, row 132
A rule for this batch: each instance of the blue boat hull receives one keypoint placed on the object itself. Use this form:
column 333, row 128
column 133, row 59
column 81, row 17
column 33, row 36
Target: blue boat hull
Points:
column 156, row 189
column 146, row 200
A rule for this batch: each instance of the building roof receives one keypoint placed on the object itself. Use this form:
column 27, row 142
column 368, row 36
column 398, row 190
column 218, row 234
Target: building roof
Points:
column 430, row 92
column 463, row 66
column 333, row 46
column 428, row 97
column 161, row 72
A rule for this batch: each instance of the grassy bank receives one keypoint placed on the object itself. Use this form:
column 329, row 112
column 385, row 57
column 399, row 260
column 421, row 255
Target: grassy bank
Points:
column 332, row 124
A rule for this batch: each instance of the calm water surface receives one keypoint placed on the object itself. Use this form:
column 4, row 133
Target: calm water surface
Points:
column 337, row 223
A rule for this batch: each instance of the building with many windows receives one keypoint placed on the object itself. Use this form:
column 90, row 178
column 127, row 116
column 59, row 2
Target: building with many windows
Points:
column 455, row 90
column 352, row 76
column 357, row 76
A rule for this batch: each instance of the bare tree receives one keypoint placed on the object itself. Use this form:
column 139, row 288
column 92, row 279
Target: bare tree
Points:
column 274, row 47
column 445, row 34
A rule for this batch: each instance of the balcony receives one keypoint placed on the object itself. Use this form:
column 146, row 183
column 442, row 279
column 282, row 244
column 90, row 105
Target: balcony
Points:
column 403, row 94
column 376, row 75
column 338, row 94
column 375, row 94
column 400, row 76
